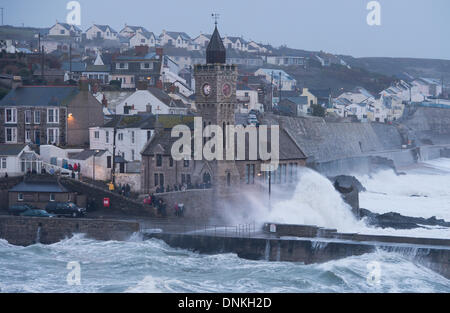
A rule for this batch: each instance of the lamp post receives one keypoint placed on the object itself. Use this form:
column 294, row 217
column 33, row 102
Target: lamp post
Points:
column 269, row 173
column 93, row 168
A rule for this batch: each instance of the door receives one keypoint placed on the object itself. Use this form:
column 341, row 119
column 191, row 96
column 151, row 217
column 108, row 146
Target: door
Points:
column 37, row 137
column 122, row 167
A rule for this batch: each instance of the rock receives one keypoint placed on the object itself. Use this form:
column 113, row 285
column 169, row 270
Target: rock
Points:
column 346, row 184
column 398, row 221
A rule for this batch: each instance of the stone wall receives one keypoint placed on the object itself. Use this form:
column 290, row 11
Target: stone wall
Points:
column 198, row 204
column 134, row 180
column 24, row 231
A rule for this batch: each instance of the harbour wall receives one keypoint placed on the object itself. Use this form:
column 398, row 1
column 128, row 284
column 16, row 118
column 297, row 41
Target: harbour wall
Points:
column 304, row 250
column 25, row 231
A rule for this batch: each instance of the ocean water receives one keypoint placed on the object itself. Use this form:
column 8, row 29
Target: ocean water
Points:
column 152, row 266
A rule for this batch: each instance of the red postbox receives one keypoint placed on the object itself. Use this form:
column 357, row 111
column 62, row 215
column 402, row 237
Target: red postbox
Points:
column 106, row 202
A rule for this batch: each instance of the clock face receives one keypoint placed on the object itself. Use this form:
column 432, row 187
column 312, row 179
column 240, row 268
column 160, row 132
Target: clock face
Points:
column 206, row 89
column 226, row 90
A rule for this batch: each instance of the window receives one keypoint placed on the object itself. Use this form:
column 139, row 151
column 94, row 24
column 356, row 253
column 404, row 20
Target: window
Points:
column 20, row 197
column 62, row 31
column 10, row 116
column 107, row 136
column 146, row 66
column 156, row 179
column 109, row 162
column 52, row 197
column 159, row 160
column 186, row 163
column 27, row 117
column 11, row 134
column 122, row 66
column 132, row 155
column 52, row 116
column 170, row 161
column 37, row 117
column 27, row 135
column 149, row 134
column 132, row 137
column 121, row 137
column 96, row 134
column 52, row 136
column 4, row 165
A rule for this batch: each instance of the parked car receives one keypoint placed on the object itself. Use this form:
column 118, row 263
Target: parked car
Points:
column 65, row 209
column 36, row 213
column 18, row 209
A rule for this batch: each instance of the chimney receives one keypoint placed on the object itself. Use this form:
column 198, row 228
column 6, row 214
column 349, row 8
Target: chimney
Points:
column 16, row 82
column 84, row 84
column 159, row 51
column 141, row 50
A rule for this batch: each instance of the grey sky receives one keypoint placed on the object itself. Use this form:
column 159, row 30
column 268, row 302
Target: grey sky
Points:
column 409, row 28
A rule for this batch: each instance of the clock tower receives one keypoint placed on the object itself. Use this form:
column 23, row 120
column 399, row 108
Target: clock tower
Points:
column 215, row 89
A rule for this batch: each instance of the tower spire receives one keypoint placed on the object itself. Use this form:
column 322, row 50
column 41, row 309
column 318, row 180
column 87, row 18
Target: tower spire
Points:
column 216, row 52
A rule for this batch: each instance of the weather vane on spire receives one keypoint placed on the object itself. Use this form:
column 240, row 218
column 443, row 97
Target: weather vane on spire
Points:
column 215, row 16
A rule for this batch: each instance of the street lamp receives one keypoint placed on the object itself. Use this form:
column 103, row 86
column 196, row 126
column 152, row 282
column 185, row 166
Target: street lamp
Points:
column 269, row 173
column 93, row 168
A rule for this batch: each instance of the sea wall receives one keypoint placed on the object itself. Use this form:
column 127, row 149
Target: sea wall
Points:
column 24, row 231
column 337, row 148
column 325, row 141
column 305, row 250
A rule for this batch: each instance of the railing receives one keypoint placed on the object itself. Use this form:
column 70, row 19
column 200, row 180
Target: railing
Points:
column 240, row 230
column 56, row 169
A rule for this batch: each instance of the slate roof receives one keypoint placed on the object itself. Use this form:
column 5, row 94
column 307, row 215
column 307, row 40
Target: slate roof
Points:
column 68, row 26
column 289, row 150
column 216, row 52
column 40, row 96
column 38, row 187
column 76, row 66
column 11, row 149
column 142, row 121
column 86, row 154
column 174, row 35
column 103, row 28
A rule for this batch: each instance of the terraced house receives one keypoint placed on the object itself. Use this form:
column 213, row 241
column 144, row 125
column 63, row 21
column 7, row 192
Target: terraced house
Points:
column 41, row 115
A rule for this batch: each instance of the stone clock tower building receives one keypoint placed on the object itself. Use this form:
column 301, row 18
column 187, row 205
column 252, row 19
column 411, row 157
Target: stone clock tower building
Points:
column 216, row 102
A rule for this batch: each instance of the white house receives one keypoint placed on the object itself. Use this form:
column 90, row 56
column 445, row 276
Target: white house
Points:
column 129, row 31
column 277, row 78
column 248, row 100
column 286, row 60
column 64, row 29
column 132, row 133
column 143, row 39
column 101, row 32
column 176, row 39
column 428, row 87
column 237, row 43
column 256, row 47
column 151, row 100
column 203, row 40
column 358, row 95
column 18, row 159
